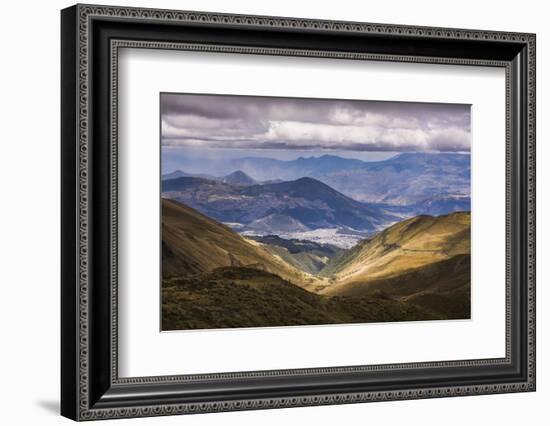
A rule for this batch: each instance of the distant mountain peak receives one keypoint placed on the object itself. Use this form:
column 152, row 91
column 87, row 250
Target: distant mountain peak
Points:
column 237, row 173
column 174, row 175
column 308, row 186
column 239, row 177
column 309, row 180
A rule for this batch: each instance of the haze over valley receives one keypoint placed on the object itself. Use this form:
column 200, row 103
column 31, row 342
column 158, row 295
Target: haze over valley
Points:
column 303, row 245
column 283, row 211
column 376, row 194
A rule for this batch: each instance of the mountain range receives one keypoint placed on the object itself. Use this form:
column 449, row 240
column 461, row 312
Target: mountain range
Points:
column 407, row 179
column 416, row 269
column 281, row 208
column 317, row 240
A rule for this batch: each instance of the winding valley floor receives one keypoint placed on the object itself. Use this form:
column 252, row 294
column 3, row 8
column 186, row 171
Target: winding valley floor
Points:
column 213, row 277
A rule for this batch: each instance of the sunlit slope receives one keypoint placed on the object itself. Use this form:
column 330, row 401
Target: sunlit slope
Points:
column 193, row 243
column 418, row 269
column 392, row 261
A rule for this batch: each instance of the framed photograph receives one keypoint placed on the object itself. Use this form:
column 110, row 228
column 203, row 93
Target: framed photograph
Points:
column 263, row 212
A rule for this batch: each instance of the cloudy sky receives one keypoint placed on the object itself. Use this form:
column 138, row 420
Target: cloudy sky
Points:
column 257, row 123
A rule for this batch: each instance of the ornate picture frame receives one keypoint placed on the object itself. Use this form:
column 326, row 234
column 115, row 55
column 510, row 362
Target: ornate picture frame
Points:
column 91, row 37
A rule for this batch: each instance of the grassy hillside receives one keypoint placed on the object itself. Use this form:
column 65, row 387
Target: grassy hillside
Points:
column 400, row 249
column 418, row 269
column 246, row 297
column 442, row 287
column 193, row 243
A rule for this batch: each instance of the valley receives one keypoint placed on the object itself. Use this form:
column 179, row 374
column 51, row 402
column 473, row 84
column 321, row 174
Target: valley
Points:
column 213, row 277
column 289, row 211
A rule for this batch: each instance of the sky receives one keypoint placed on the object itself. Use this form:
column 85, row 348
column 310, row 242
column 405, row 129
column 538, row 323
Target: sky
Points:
column 251, row 123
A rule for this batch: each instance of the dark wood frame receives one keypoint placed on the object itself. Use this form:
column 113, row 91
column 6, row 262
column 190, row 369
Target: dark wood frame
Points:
column 91, row 37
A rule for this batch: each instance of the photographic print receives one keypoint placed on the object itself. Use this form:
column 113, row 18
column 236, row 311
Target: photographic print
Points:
column 296, row 211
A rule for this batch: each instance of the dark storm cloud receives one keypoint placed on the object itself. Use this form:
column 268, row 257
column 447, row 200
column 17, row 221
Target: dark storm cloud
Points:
column 292, row 123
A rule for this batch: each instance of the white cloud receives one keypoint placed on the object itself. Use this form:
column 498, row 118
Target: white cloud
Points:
column 254, row 122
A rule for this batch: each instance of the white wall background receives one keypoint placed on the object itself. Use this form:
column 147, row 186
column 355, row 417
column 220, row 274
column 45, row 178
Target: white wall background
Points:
column 29, row 225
